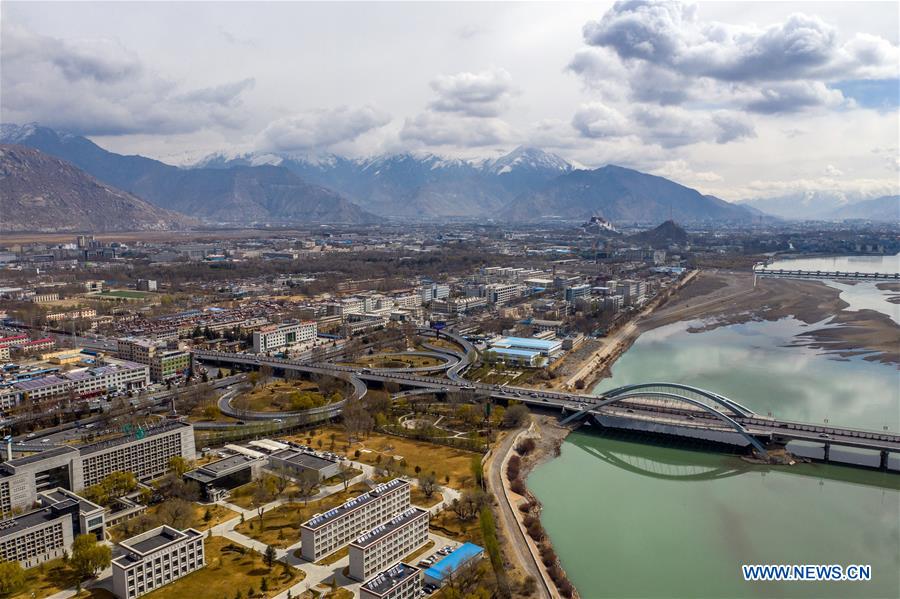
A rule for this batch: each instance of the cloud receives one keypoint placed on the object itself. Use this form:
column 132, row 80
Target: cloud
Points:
column 597, row 120
column 484, row 94
column 793, row 97
column 671, row 126
column 99, row 87
column 679, row 170
column 832, row 171
column 320, row 129
column 437, row 129
column 671, row 35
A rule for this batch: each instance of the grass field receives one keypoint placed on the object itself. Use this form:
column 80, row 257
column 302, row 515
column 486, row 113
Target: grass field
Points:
column 126, row 294
column 417, row 497
column 448, row 524
column 228, row 571
column 443, row 461
column 281, row 526
column 276, row 396
column 387, row 361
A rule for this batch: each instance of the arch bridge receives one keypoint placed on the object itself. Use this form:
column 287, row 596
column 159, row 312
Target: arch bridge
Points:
column 679, row 405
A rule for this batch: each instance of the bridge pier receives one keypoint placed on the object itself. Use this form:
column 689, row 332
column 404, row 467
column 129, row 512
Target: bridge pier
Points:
column 827, row 451
column 883, row 463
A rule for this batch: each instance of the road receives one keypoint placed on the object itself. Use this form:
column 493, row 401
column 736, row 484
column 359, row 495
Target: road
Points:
column 508, row 520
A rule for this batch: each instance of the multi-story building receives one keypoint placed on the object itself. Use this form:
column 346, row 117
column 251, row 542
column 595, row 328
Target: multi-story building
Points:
column 459, row 305
column 498, row 293
column 155, row 558
column 223, row 475
column 573, row 293
column 91, row 518
column 278, row 336
column 633, row 292
column 4, row 353
column 146, row 285
column 326, row 533
column 38, row 536
column 388, row 543
column 119, row 375
column 44, row 298
column 398, row 582
column 164, row 362
column 146, row 452
column 302, row 462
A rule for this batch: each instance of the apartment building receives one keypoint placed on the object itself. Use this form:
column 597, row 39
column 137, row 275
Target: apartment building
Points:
column 398, row 582
column 498, row 293
column 278, row 336
column 164, row 362
column 154, row 559
column 4, row 353
column 326, row 533
column 38, row 536
column 146, row 452
column 388, row 543
column 573, row 293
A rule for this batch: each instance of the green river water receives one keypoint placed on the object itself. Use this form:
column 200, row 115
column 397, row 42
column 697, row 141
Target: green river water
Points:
column 630, row 519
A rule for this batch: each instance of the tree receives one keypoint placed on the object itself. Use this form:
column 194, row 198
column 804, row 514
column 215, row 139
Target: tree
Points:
column 307, row 485
column 261, row 496
column 177, row 513
column 12, row 578
column 269, row 558
column 282, row 479
column 516, row 415
column 178, row 465
column 345, row 473
column 428, row 484
column 88, row 556
column 207, row 516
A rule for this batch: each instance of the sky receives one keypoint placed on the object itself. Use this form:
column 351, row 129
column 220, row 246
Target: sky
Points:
column 736, row 99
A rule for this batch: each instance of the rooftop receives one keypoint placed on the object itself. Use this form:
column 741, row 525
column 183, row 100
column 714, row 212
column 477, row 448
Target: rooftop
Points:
column 383, row 582
column 300, row 458
column 505, row 351
column 148, row 542
column 165, row 426
column 13, row 526
column 387, row 528
column 526, row 343
column 461, row 556
column 352, row 504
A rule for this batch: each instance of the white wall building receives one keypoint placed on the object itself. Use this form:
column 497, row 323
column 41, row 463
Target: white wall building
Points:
column 156, row 558
column 278, row 336
column 402, row 581
column 387, row 543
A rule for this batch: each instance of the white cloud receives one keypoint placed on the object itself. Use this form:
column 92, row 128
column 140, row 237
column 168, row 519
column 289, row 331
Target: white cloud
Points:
column 484, row 94
column 596, row 119
column 437, row 129
column 319, row 129
column 99, row 87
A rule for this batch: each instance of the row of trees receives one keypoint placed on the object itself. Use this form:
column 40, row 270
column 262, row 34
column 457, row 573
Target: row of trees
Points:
column 88, row 558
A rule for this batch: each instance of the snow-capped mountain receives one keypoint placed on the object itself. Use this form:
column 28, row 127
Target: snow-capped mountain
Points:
column 416, row 185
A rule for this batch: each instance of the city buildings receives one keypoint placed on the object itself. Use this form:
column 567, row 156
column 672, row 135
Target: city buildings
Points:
column 326, row 533
column 459, row 558
column 156, row 558
column 388, row 543
column 145, row 452
column 165, row 362
column 398, row 582
column 278, row 336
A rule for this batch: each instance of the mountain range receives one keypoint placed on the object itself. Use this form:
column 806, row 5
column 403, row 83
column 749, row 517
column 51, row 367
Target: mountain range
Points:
column 828, row 205
column 526, row 185
column 42, row 193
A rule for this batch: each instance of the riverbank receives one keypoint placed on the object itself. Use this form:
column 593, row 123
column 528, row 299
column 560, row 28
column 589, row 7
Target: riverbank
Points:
column 724, row 298
column 541, row 442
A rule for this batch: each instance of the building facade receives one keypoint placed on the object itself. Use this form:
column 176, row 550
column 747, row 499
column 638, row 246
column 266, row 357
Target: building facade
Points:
column 388, row 543
column 325, row 533
column 278, row 336
column 154, row 559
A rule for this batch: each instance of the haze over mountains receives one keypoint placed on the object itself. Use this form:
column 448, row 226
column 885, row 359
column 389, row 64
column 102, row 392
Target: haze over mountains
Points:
column 825, row 205
column 526, row 185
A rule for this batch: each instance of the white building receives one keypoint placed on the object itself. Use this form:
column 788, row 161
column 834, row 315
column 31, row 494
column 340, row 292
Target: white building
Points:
column 399, row 582
column 278, row 336
column 115, row 375
column 156, row 558
column 324, row 534
column 388, row 543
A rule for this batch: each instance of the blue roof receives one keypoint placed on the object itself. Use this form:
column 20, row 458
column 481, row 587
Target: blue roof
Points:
column 452, row 562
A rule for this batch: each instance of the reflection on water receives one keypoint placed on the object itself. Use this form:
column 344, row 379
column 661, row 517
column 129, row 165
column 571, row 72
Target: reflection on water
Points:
column 883, row 264
column 635, row 520
column 762, row 366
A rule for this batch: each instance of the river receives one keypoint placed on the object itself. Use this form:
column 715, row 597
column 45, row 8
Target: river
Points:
column 635, row 520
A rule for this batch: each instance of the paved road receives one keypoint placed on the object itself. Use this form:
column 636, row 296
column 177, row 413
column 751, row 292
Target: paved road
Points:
column 508, row 519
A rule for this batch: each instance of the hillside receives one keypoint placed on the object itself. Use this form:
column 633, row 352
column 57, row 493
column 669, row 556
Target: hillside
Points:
column 244, row 194
column 620, row 195
column 662, row 236
column 885, row 208
column 42, row 193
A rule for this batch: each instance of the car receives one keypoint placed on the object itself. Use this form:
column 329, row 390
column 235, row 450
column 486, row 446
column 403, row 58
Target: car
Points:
column 447, row 548
column 45, row 440
column 630, row 411
column 278, row 420
column 31, row 435
column 824, row 436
